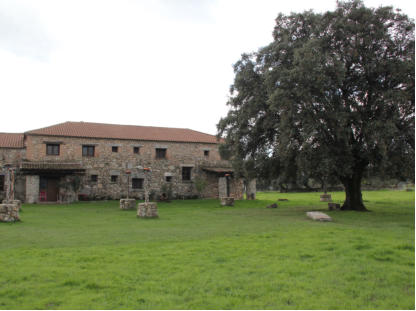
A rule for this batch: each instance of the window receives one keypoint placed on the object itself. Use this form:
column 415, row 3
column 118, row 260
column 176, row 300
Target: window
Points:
column 206, row 153
column 114, row 149
column 137, row 183
column 186, row 173
column 136, row 150
column 160, row 153
column 52, row 149
column 168, row 178
column 94, row 178
column 1, row 182
column 88, row 151
column 114, row 178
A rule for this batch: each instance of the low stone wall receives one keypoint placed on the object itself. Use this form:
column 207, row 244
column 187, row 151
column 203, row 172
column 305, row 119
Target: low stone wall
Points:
column 9, row 212
column 17, row 202
column 127, row 204
column 147, row 210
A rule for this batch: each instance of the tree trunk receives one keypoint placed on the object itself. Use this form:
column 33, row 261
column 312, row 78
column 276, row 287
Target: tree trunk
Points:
column 353, row 196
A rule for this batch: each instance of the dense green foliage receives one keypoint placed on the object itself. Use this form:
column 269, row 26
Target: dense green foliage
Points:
column 198, row 255
column 331, row 96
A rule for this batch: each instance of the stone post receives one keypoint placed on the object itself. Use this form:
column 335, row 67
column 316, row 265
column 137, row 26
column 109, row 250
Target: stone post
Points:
column 32, row 188
column 126, row 204
column 227, row 200
column 251, row 189
column 147, row 209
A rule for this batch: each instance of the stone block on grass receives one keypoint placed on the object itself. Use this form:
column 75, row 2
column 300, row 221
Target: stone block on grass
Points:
column 17, row 202
column 9, row 212
column 227, row 201
column 127, row 204
column 319, row 216
column 147, row 210
column 325, row 198
column 334, row 206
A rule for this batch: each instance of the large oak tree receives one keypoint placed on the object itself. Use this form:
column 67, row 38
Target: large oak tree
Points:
column 331, row 95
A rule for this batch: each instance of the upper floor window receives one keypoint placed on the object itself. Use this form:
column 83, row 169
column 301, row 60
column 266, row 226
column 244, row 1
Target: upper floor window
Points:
column 206, row 153
column 88, row 151
column 168, row 178
column 52, row 149
column 94, row 178
column 137, row 183
column 160, row 153
column 136, row 150
column 186, row 173
column 114, row 178
column 114, row 149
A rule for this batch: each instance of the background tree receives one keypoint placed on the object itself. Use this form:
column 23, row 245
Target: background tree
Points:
column 332, row 95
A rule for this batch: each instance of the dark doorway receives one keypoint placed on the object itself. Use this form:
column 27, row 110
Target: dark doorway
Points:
column 48, row 186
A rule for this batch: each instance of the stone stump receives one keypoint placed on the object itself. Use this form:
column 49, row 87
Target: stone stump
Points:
column 334, row 206
column 9, row 212
column 147, row 210
column 227, row 201
column 318, row 216
column 127, row 204
column 17, row 202
column 326, row 198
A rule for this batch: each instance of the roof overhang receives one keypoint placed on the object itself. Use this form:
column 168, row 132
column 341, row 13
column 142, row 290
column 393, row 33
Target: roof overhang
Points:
column 218, row 170
column 52, row 167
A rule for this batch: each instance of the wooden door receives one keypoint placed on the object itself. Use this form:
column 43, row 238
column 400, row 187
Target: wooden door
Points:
column 52, row 190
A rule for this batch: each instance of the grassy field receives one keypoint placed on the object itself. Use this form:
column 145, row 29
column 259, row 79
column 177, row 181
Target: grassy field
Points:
column 198, row 255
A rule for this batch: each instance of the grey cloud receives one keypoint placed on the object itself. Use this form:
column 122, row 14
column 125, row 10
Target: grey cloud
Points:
column 22, row 33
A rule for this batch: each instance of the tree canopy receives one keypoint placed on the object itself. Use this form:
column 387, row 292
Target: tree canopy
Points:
column 331, row 96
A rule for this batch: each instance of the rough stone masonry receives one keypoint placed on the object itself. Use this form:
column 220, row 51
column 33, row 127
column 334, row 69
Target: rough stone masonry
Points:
column 9, row 212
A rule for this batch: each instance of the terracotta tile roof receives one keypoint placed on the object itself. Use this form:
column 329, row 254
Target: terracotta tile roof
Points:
column 133, row 132
column 11, row 140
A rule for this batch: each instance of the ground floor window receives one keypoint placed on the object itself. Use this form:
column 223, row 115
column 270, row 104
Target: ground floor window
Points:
column 137, row 183
column 1, row 182
column 114, row 178
column 186, row 173
column 94, row 178
column 168, row 178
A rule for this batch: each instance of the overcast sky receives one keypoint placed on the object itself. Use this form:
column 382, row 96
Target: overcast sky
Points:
column 141, row 62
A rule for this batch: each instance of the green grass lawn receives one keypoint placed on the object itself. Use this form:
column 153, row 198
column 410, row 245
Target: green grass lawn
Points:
column 198, row 255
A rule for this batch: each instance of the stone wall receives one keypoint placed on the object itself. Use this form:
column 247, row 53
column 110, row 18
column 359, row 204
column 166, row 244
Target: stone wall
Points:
column 13, row 157
column 106, row 163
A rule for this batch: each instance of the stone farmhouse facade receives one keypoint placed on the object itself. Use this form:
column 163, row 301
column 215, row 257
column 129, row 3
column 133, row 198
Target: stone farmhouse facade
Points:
column 94, row 161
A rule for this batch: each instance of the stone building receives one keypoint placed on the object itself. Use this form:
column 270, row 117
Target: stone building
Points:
column 81, row 160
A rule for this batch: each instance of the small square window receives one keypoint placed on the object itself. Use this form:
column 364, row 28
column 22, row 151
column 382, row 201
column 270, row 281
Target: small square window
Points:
column 137, row 183
column 160, row 153
column 206, row 153
column 94, row 178
column 52, row 149
column 114, row 178
column 136, row 150
column 114, row 149
column 168, row 178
